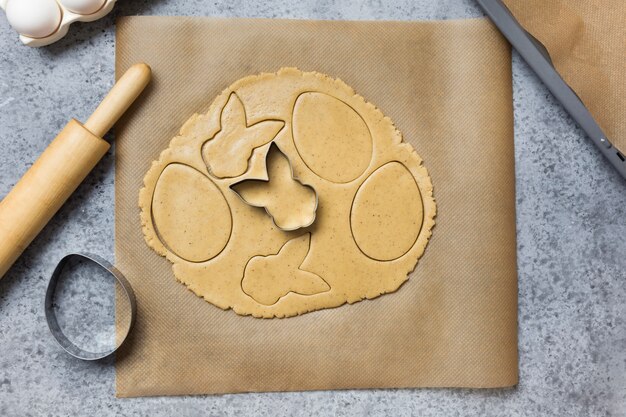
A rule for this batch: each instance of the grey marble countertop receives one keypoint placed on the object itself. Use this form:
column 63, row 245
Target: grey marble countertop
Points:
column 571, row 225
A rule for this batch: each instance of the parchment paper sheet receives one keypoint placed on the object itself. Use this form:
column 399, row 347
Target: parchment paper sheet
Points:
column 447, row 86
column 586, row 40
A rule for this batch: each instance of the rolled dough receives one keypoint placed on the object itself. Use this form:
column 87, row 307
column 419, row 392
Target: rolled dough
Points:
column 375, row 207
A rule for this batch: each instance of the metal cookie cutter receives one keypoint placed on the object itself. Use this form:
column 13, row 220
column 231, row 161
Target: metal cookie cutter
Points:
column 51, row 318
column 275, row 148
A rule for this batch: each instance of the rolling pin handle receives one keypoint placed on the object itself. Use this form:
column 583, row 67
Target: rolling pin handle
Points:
column 119, row 99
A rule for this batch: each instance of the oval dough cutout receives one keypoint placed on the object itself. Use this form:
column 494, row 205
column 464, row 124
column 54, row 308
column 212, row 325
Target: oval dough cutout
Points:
column 190, row 214
column 331, row 138
column 387, row 213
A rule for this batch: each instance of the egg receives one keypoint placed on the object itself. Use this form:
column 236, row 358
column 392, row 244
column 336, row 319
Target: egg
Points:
column 186, row 208
column 34, row 18
column 387, row 213
column 83, row 7
column 331, row 137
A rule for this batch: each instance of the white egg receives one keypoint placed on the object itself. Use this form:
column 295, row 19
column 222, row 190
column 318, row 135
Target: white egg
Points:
column 83, row 6
column 34, row 18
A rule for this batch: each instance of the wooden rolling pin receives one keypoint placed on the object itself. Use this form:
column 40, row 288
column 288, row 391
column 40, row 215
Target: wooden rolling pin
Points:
column 61, row 168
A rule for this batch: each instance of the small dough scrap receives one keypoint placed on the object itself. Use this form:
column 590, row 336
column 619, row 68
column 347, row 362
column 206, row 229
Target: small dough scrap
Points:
column 273, row 136
column 268, row 278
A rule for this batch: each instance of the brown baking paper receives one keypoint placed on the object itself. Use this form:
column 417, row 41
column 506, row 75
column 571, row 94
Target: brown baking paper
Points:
column 447, row 87
column 586, row 40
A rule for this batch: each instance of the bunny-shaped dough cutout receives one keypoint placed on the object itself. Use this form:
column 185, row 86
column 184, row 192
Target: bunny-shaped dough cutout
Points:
column 227, row 153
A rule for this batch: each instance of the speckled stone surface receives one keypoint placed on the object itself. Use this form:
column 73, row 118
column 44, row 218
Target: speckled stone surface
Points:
column 571, row 243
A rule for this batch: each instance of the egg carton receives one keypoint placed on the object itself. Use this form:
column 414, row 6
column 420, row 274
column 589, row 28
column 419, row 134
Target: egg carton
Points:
column 42, row 22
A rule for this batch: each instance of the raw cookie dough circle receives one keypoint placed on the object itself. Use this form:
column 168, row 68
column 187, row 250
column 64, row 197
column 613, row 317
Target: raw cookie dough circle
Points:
column 375, row 208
